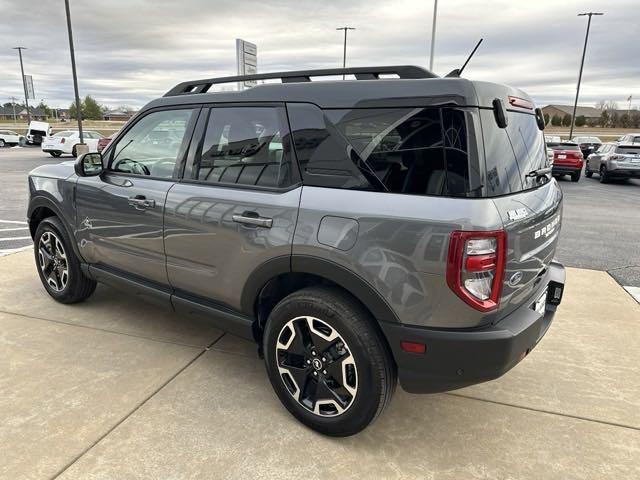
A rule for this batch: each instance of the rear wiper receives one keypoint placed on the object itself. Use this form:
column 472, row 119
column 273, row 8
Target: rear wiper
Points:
column 540, row 172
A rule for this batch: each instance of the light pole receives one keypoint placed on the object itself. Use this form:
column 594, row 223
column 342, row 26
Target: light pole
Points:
column 433, row 34
column 344, row 53
column 73, row 71
column 13, row 104
column 24, row 84
column 584, row 51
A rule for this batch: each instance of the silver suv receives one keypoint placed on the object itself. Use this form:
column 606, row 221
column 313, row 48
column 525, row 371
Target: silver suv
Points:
column 359, row 231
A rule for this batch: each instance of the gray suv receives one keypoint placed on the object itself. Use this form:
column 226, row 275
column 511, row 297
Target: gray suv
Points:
column 361, row 232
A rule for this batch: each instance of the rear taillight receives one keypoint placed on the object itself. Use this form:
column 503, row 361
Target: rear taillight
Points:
column 62, row 140
column 475, row 267
column 616, row 157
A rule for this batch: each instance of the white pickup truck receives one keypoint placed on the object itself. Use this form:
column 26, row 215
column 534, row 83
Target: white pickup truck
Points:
column 37, row 131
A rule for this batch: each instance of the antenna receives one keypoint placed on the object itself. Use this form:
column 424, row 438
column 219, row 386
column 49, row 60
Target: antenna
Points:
column 458, row 71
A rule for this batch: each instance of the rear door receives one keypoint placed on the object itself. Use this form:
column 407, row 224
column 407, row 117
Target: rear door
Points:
column 120, row 213
column 531, row 213
column 236, row 207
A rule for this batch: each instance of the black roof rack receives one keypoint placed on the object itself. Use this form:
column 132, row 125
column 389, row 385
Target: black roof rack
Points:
column 361, row 73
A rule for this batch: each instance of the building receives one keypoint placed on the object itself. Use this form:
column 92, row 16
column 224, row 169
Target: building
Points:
column 118, row 115
column 589, row 113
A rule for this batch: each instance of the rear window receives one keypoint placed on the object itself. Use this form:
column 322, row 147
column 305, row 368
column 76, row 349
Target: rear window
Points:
column 417, row 151
column 513, row 152
column 628, row 150
column 566, row 146
column 63, row 134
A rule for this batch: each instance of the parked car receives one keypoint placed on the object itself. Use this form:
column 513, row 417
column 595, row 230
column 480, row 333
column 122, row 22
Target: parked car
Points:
column 102, row 143
column 67, row 141
column 567, row 160
column 9, row 137
column 630, row 138
column 357, row 231
column 614, row 161
column 587, row 145
column 37, row 132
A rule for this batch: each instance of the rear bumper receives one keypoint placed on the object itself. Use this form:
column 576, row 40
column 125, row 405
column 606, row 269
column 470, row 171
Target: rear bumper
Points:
column 624, row 172
column 565, row 169
column 456, row 359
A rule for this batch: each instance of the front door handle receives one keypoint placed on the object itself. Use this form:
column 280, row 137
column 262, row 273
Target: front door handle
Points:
column 140, row 202
column 253, row 219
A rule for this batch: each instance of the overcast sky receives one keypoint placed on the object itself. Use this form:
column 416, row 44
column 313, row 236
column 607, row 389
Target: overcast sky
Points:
column 129, row 52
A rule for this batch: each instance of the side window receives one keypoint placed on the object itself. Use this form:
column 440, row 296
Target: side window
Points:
column 245, row 146
column 153, row 145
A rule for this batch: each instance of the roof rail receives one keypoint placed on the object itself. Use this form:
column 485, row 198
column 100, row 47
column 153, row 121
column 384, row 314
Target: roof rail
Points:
column 361, row 73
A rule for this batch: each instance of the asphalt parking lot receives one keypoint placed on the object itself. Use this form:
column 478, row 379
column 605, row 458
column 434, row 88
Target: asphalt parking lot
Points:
column 117, row 388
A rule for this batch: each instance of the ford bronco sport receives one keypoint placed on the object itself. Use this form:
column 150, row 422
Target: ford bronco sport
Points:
column 359, row 231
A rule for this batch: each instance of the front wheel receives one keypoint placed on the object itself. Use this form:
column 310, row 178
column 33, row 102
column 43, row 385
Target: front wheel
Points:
column 58, row 266
column 587, row 173
column 2, row 144
column 327, row 361
column 55, row 154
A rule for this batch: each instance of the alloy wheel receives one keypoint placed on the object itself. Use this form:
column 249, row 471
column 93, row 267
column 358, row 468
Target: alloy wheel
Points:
column 316, row 366
column 53, row 262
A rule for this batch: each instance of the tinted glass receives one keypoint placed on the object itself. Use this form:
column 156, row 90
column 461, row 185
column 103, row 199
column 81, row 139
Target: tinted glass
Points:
column 503, row 175
column 566, row 146
column 63, row 134
column 245, row 146
column 528, row 145
column 153, row 145
column 417, row 151
column 628, row 150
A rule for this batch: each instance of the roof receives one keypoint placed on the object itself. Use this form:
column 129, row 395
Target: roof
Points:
column 368, row 90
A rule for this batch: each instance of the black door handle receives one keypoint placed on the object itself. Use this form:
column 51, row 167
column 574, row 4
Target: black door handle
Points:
column 140, row 202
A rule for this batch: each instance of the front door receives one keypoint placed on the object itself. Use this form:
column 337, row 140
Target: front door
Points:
column 120, row 213
column 237, row 205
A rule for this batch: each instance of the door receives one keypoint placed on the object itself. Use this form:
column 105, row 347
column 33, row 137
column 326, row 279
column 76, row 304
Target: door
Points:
column 237, row 205
column 119, row 213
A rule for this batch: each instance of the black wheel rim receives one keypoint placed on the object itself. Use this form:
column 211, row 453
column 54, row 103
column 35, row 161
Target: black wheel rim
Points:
column 52, row 260
column 316, row 366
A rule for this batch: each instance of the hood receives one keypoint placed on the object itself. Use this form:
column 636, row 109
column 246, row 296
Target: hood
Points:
column 61, row 170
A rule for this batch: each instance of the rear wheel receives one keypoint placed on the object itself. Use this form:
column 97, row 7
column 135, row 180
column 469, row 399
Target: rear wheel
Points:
column 58, row 267
column 55, row 154
column 587, row 173
column 327, row 362
column 74, row 151
column 603, row 174
column 575, row 177
column 2, row 144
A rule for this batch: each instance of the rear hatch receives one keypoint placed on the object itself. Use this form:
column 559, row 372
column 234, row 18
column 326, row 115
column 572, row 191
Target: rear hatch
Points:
column 530, row 206
column 57, row 141
column 567, row 154
column 627, row 156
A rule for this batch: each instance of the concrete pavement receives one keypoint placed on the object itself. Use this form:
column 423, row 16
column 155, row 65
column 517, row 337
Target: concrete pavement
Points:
column 114, row 388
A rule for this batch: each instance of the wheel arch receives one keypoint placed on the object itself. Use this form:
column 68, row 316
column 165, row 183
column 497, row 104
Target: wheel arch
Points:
column 41, row 207
column 275, row 279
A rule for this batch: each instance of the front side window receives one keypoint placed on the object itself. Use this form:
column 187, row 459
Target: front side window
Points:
column 245, row 146
column 153, row 145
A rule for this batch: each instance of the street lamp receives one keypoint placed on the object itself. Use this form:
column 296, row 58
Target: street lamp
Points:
column 584, row 51
column 73, row 71
column 433, row 34
column 344, row 54
column 24, row 84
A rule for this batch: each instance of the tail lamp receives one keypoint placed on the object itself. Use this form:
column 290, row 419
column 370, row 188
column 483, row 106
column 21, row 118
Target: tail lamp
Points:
column 475, row 267
column 62, row 140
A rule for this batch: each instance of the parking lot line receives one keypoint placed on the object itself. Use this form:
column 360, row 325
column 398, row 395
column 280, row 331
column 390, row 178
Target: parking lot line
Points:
column 6, row 239
column 13, row 229
column 8, row 251
column 13, row 221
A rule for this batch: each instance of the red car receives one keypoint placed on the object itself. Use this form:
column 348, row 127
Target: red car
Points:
column 102, row 143
column 567, row 160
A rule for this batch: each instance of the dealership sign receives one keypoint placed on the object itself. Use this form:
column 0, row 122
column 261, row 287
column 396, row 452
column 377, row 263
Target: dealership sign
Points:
column 247, row 61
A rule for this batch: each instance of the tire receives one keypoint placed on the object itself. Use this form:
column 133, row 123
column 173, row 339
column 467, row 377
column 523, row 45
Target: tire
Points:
column 575, row 177
column 603, row 174
column 356, row 363
column 55, row 154
column 2, row 144
column 53, row 252
column 74, row 152
column 587, row 173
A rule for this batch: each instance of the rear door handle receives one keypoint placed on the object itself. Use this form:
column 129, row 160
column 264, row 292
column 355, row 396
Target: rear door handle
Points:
column 253, row 219
column 140, row 202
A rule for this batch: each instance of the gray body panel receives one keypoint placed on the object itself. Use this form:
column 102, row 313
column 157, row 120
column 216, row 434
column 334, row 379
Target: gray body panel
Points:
column 113, row 233
column 401, row 247
column 212, row 256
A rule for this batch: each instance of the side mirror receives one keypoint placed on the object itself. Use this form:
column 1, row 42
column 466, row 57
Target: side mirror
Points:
column 89, row 165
